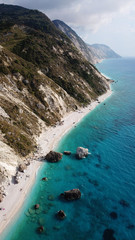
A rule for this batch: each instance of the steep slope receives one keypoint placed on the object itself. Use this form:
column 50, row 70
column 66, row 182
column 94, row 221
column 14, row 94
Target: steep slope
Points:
column 42, row 77
column 92, row 53
column 78, row 42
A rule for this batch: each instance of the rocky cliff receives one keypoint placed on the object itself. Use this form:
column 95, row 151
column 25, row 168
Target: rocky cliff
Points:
column 42, row 77
column 93, row 53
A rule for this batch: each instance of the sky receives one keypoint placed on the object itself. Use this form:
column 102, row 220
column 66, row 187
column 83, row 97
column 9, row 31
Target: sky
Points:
column 110, row 22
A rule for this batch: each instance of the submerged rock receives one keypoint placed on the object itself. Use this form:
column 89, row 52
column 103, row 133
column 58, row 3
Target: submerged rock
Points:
column 53, row 156
column 71, row 194
column 131, row 226
column 61, row 214
column 56, row 227
column 124, row 203
column 40, row 229
column 51, row 197
column 81, row 152
column 37, row 206
column 108, row 234
column 113, row 215
column 67, row 152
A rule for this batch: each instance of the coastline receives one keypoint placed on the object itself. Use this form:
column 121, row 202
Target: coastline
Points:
column 46, row 142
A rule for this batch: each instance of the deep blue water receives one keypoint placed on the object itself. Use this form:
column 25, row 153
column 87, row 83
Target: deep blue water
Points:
column 105, row 177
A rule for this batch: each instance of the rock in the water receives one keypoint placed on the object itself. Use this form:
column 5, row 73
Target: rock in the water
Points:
column 44, row 179
column 53, row 156
column 124, row 203
column 67, row 152
column 81, row 152
column 61, row 214
column 113, row 215
column 71, row 194
column 22, row 167
column 108, row 234
column 37, row 206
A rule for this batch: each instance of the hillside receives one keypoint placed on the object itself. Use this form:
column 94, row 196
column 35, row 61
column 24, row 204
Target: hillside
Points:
column 93, row 53
column 42, row 77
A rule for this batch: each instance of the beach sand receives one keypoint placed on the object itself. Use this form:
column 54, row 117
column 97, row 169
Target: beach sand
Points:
column 46, row 142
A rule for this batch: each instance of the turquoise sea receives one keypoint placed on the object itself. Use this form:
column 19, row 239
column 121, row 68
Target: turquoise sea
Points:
column 106, row 178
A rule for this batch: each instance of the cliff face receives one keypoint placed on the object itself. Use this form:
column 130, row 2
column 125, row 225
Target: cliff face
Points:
column 93, row 53
column 42, row 77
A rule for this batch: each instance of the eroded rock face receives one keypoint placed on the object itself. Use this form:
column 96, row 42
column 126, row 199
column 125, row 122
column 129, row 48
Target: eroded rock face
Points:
column 73, row 194
column 81, row 152
column 53, row 156
column 61, row 214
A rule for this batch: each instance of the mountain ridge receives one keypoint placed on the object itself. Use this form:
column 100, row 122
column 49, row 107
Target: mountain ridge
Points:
column 93, row 53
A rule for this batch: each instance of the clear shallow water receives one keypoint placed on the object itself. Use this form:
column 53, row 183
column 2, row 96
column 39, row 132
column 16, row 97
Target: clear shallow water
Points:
column 105, row 177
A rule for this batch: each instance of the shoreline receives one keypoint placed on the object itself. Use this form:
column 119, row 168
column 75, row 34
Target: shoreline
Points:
column 46, row 142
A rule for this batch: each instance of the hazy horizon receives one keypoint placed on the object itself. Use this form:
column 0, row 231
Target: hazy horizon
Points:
column 109, row 22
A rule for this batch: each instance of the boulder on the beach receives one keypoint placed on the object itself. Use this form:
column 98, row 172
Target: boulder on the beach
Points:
column 108, row 234
column 53, row 156
column 71, row 194
column 67, row 152
column 81, row 152
column 37, row 206
column 61, row 214
column 22, row 167
column 1, row 197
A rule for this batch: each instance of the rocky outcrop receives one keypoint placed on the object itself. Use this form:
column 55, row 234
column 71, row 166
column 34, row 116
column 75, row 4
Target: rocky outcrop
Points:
column 53, row 157
column 71, row 194
column 61, row 214
column 81, row 152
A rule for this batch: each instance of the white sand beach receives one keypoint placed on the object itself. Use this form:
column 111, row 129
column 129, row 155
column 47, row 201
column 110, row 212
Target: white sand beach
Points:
column 46, row 142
